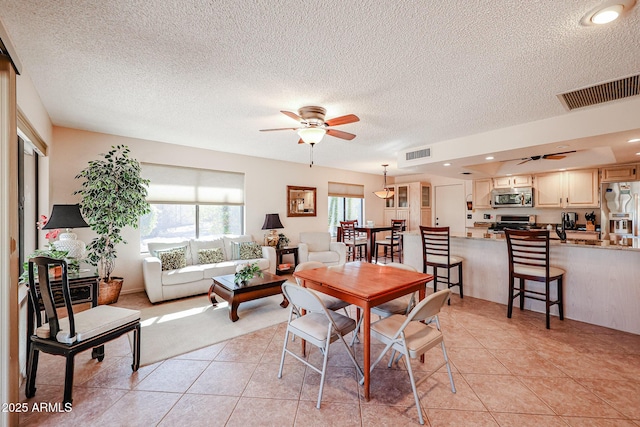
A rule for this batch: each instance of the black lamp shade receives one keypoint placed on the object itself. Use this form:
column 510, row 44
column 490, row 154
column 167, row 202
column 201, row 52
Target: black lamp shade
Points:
column 272, row 221
column 65, row 216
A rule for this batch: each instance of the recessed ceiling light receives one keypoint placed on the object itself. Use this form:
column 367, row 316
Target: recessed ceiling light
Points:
column 634, row 140
column 637, row 154
column 509, row 174
column 489, row 158
column 607, row 12
column 562, row 146
column 563, row 169
column 447, row 164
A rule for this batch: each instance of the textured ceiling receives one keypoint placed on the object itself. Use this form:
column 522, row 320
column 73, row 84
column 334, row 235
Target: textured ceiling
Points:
column 211, row 73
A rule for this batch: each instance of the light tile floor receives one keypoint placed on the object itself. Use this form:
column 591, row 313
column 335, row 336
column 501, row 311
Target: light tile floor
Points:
column 508, row 372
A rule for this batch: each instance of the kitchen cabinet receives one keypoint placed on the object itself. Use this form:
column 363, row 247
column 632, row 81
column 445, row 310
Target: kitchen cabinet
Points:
column 411, row 202
column 512, row 181
column 569, row 189
column 482, row 193
column 619, row 173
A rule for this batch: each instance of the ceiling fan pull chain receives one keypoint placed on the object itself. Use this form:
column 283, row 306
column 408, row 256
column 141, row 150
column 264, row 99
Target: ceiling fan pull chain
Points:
column 311, row 155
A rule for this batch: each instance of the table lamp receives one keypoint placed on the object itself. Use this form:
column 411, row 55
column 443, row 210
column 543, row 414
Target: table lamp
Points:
column 271, row 222
column 68, row 217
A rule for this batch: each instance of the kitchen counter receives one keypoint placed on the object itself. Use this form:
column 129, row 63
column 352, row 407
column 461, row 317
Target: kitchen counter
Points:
column 601, row 282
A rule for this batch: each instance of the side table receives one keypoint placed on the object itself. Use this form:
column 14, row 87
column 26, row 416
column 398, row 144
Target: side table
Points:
column 283, row 251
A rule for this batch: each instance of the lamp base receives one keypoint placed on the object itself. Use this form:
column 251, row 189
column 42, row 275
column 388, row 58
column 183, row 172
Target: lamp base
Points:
column 271, row 239
column 69, row 242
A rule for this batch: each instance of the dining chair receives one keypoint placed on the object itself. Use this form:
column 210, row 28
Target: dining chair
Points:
column 436, row 253
column 412, row 335
column 332, row 303
column 401, row 305
column 68, row 333
column 355, row 243
column 529, row 260
column 319, row 326
column 392, row 241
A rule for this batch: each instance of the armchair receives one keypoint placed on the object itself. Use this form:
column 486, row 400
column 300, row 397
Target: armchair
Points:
column 317, row 246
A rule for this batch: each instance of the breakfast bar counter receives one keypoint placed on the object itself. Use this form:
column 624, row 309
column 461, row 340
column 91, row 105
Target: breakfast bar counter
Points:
column 602, row 283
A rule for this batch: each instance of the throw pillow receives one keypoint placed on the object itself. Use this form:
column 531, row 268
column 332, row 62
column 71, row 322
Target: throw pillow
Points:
column 250, row 250
column 172, row 259
column 210, row 256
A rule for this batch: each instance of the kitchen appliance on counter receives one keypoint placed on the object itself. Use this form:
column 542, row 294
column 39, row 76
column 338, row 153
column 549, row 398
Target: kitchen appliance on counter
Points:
column 512, row 197
column 514, row 222
column 570, row 220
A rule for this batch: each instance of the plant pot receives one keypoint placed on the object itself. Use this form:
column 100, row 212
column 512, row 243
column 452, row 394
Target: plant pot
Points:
column 109, row 291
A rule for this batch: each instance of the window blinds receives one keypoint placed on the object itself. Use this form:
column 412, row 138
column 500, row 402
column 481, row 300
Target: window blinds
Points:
column 341, row 189
column 175, row 184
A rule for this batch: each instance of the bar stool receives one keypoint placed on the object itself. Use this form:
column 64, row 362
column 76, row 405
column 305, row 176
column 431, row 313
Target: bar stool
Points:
column 529, row 260
column 394, row 241
column 352, row 241
column 436, row 254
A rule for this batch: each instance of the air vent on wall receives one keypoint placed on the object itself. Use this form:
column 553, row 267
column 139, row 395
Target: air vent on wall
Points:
column 418, row 154
column 604, row 92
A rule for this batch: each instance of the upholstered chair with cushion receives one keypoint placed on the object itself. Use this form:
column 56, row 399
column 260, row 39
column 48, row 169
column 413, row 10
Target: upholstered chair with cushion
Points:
column 317, row 246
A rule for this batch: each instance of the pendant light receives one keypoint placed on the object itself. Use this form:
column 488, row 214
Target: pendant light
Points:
column 386, row 192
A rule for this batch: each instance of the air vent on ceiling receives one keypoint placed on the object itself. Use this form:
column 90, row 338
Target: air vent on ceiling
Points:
column 418, row 154
column 604, row 92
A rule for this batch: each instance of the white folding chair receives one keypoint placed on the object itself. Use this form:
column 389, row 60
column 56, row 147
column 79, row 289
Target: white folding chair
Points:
column 402, row 305
column 409, row 336
column 319, row 326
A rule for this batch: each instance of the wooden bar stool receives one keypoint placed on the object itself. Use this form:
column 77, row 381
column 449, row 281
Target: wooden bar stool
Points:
column 354, row 243
column 437, row 255
column 529, row 260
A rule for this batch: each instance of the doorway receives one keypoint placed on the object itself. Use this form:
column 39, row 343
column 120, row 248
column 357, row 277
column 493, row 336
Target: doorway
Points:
column 450, row 205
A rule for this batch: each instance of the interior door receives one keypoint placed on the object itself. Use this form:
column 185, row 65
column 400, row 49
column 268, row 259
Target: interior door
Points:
column 450, row 204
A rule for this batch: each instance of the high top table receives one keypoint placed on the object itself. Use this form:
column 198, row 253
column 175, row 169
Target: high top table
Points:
column 365, row 285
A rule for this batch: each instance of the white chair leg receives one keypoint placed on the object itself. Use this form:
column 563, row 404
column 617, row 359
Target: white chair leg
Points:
column 284, row 350
column 446, row 359
column 415, row 390
column 325, row 351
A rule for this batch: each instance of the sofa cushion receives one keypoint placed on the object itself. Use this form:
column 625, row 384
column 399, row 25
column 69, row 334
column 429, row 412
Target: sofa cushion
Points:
column 249, row 250
column 324, row 256
column 154, row 247
column 229, row 246
column 172, row 259
column 196, row 244
column 190, row 273
column 316, row 241
column 210, row 256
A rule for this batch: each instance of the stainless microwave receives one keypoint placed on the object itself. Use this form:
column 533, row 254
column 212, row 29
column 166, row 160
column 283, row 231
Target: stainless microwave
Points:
column 512, row 197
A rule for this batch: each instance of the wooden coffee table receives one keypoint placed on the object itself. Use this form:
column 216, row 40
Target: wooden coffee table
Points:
column 234, row 294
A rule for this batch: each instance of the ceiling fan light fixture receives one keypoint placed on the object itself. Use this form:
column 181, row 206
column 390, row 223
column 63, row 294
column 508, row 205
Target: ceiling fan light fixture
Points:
column 312, row 135
column 386, row 192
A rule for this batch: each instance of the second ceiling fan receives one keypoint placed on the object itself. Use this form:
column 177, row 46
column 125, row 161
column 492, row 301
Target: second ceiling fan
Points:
column 314, row 126
column 552, row 156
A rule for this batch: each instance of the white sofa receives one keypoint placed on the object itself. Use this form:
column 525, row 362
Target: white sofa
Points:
column 195, row 278
column 317, row 246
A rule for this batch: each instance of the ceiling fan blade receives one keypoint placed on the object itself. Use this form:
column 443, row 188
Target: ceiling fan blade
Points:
column 554, row 157
column 525, row 161
column 340, row 134
column 269, row 130
column 342, row 120
column 300, row 141
column 294, row 116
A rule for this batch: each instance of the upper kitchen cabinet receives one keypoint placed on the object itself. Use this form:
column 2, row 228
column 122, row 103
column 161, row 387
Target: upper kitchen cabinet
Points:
column 512, row 181
column 482, row 193
column 412, row 203
column 619, row 173
column 570, row 189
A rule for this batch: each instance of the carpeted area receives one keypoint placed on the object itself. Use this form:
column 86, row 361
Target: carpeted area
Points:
column 177, row 327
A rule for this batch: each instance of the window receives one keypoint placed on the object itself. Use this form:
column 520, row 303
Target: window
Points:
column 346, row 202
column 189, row 203
column 167, row 222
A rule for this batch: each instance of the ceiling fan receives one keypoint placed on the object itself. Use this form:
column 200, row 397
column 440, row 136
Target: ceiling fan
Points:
column 314, row 126
column 552, row 156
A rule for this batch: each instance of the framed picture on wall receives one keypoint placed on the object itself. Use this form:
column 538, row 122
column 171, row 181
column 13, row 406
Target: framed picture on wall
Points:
column 301, row 201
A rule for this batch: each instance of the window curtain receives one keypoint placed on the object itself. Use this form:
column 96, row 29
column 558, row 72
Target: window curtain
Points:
column 174, row 184
column 341, row 189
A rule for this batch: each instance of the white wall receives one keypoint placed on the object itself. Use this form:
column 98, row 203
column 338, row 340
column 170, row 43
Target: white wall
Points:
column 265, row 186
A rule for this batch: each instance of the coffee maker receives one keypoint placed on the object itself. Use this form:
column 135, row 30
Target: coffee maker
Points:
column 569, row 220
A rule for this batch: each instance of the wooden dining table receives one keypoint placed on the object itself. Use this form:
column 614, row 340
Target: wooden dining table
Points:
column 365, row 285
column 371, row 236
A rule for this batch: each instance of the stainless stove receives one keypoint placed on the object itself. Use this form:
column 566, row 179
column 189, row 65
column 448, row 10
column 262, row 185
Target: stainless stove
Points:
column 516, row 222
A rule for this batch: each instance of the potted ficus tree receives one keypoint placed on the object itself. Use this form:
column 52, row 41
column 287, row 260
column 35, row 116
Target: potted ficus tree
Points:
column 113, row 197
